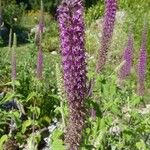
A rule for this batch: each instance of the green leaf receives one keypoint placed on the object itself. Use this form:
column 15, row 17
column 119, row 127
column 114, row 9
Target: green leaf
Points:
column 26, row 124
column 102, row 123
column 31, row 95
column 54, row 96
column 57, row 141
column 8, row 97
column 135, row 100
column 15, row 82
column 141, row 145
column 2, row 140
column 16, row 117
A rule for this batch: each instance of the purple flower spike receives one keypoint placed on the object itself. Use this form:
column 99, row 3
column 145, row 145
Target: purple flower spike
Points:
column 13, row 59
column 142, row 62
column 40, row 30
column 14, row 74
column 41, row 22
column 108, row 27
column 39, row 64
column 38, row 42
column 141, row 71
column 127, row 57
column 71, row 25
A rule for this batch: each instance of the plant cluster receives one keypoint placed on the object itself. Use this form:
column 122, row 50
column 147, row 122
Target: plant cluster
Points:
column 92, row 105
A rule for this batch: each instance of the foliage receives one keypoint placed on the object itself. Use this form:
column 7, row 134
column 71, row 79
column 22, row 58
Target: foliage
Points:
column 10, row 14
column 94, row 12
column 31, row 17
column 7, row 2
column 49, row 6
column 50, row 38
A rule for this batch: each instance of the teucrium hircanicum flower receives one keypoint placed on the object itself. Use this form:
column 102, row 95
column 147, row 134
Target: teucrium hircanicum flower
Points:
column 39, row 64
column 40, row 30
column 13, row 58
column 142, row 62
column 108, row 26
column 39, row 69
column 128, row 58
column 74, row 66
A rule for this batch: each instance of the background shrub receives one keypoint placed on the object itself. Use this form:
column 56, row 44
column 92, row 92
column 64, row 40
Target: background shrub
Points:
column 12, row 14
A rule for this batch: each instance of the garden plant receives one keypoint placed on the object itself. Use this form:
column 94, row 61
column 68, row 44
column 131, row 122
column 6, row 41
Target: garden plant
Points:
column 74, row 75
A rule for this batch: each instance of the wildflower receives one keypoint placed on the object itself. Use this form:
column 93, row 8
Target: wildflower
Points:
column 74, row 66
column 15, row 19
column 54, row 52
column 41, row 22
column 115, row 130
column 108, row 26
column 39, row 68
column 40, row 30
column 142, row 63
column 13, row 59
column 127, row 57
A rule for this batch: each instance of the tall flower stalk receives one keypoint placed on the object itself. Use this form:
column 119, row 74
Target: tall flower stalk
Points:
column 128, row 58
column 39, row 68
column 13, row 72
column 108, row 27
column 13, row 59
column 61, row 94
column 39, row 65
column 40, row 30
column 71, row 25
column 142, row 62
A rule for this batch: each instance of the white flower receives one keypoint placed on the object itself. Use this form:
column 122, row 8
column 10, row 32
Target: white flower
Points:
column 115, row 130
column 144, row 111
column 54, row 53
column 15, row 19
